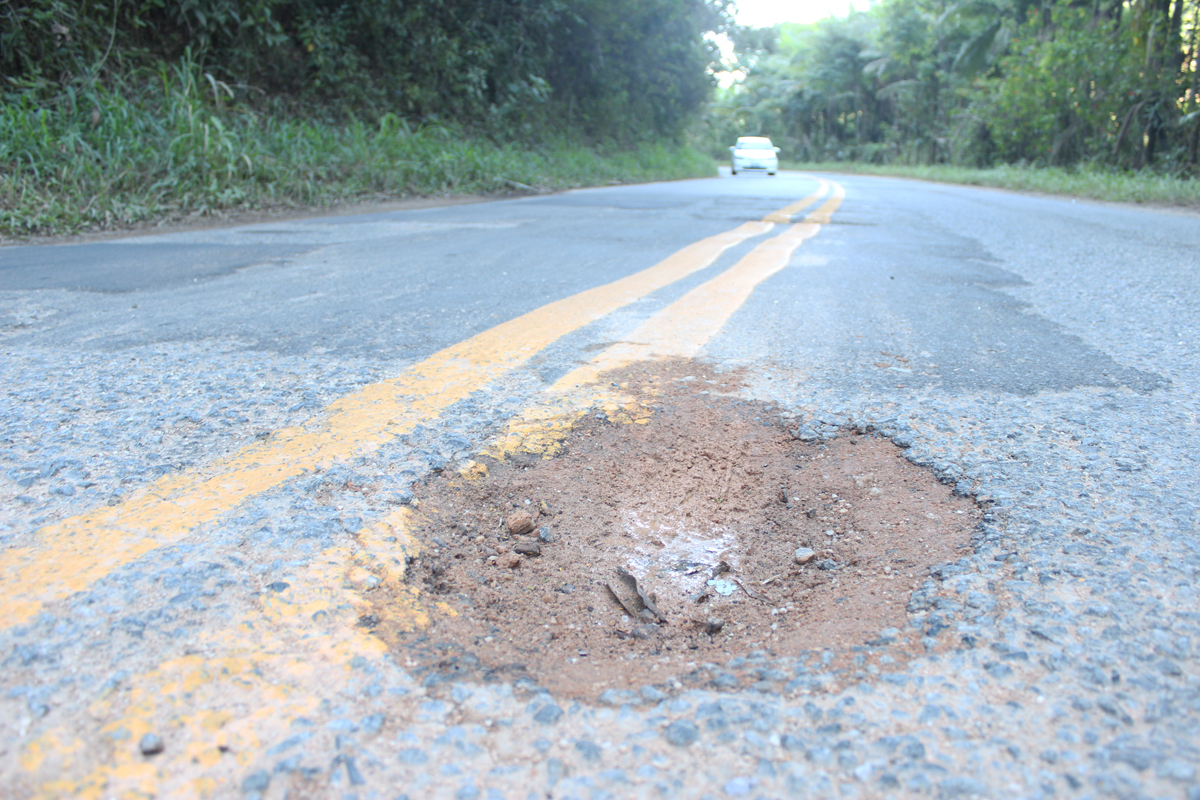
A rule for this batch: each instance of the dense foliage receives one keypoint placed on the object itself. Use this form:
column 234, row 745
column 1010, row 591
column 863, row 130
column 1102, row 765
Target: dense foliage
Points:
column 1111, row 83
column 628, row 69
column 118, row 111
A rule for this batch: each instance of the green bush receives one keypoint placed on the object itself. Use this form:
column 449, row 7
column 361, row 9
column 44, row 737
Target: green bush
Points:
column 1092, row 182
column 177, row 142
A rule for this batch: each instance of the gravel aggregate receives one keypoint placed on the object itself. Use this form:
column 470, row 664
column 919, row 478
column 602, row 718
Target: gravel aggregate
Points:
column 1058, row 658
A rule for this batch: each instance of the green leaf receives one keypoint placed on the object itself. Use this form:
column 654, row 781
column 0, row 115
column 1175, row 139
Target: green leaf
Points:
column 973, row 55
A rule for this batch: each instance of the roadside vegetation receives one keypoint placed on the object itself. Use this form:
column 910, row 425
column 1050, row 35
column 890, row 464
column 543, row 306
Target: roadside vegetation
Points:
column 1091, row 97
column 115, row 113
column 122, row 154
column 1142, row 186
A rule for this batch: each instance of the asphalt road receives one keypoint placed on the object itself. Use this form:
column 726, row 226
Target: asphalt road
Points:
column 182, row 413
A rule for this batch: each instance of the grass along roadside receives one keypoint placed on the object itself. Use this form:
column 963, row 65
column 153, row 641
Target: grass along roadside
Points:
column 1139, row 187
column 176, row 146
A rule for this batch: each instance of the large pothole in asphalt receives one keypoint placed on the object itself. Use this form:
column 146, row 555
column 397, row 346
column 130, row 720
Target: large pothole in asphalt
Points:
column 644, row 550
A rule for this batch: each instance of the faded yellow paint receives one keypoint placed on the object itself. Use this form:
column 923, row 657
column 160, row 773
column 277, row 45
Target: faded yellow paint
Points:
column 215, row 721
column 71, row 554
column 274, row 661
column 34, row 756
column 278, row 659
column 473, row 470
column 202, row 787
column 386, row 546
column 784, row 215
column 678, row 331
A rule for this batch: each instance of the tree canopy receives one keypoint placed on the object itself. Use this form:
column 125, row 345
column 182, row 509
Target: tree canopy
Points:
column 625, row 69
column 975, row 82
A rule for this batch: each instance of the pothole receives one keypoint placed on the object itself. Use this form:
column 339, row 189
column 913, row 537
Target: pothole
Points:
column 645, row 554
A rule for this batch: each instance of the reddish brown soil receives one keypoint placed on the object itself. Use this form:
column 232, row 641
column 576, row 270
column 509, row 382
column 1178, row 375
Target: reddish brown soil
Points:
column 705, row 506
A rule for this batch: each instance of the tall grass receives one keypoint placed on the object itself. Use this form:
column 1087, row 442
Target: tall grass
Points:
column 1092, row 183
column 176, row 143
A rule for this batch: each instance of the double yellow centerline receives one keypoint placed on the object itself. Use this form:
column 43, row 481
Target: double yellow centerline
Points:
column 72, row 554
column 286, row 655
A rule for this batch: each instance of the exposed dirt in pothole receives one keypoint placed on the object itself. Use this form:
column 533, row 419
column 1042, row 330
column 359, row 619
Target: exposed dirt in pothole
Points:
column 706, row 507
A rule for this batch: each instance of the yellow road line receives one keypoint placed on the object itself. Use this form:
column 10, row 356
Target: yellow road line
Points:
column 71, row 554
column 279, row 659
column 286, row 655
column 785, row 214
column 217, row 708
column 678, row 331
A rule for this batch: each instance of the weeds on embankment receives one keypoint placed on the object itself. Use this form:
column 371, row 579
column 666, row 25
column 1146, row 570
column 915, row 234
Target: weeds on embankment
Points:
column 1093, row 184
column 178, row 144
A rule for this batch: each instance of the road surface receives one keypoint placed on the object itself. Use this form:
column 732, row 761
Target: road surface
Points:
column 188, row 553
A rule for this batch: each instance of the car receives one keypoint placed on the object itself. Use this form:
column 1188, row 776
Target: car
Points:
column 754, row 152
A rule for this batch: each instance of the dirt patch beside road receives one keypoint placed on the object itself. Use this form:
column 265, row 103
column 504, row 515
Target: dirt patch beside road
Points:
column 643, row 550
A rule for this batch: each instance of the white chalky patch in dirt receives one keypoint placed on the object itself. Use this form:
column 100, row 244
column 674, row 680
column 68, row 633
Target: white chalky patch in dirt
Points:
column 706, row 506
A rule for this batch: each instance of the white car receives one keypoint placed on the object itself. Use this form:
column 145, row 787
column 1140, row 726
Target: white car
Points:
column 754, row 152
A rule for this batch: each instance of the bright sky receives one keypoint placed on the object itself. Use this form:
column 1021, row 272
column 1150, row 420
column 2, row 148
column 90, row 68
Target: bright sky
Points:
column 763, row 13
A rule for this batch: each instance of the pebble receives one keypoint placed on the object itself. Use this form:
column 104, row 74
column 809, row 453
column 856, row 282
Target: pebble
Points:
column 803, row 555
column 681, row 733
column 548, row 714
column 589, row 750
column 532, row 549
column 519, row 523
column 257, row 781
column 151, row 744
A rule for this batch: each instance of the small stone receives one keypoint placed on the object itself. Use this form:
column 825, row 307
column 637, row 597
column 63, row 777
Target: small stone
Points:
column 528, row 548
column 653, row 694
column 803, row 555
column 508, row 561
column 618, row 697
column 278, row 586
column 713, row 625
column 589, row 750
column 681, row 733
column 827, row 564
column 257, row 781
column 545, row 535
column 726, row 680
column 807, row 435
column 548, row 714
column 519, row 523
column 738, row 786
column 412, row 756
column 646, row 631
column 151, row 744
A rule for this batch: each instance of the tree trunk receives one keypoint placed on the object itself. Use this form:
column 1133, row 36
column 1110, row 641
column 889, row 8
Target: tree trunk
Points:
column 1174, row 40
